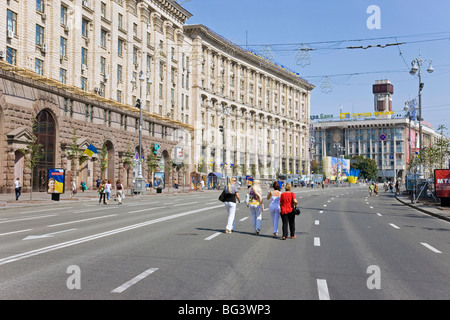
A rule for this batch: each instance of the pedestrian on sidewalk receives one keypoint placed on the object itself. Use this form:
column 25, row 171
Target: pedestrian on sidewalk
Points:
column 274, row 207
column 375, row 189
column 231, row 195
column 73, row 188
column 101, row 191
column 287, row 203
column 119, row 193
column 18, row 188
column 108, row 187
column 256, row 205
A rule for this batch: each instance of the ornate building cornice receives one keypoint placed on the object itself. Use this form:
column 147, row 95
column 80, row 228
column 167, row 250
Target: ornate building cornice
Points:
column 205, row 33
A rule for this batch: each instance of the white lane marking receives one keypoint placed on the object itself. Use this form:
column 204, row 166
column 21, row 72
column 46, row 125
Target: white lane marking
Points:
column 102, row 208
column 183, row 204
column 316, row 241
column 243, row 219
column 4, row 234
column 66, row 244
column 426, row 245
column 322, row 288
column 76, row 221
column 213, row 236
column 394, row 226
column 324, row 205
column 45, row 210
column 29, row 218
column 371, row 207
column 148, row 209
column 321, row 211
column 316, row 222
column 135, row 280
column 379, row 214
column 48, row 235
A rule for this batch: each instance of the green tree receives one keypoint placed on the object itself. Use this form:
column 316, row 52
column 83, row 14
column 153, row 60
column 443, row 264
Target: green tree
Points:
column 368, row 167
column 103, row 157
column 76, row 154
column 152, row 164
column 35, row 152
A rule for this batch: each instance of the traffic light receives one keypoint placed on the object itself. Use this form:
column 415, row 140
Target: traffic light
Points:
column 221, row 128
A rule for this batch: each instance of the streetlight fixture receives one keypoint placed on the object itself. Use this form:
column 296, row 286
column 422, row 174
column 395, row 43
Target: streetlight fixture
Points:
column 416, row 65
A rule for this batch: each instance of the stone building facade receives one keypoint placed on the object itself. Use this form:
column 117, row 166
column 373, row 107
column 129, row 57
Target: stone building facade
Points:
column 74, row 72
column 80, row 67
column 252, row 115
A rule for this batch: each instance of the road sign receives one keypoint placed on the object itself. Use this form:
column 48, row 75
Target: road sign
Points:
column 383, row 137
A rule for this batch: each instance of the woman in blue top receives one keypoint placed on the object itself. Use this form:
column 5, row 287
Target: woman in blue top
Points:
column 274, row 207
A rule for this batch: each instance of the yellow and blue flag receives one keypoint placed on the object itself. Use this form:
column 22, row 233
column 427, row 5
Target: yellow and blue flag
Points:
column 91, row 150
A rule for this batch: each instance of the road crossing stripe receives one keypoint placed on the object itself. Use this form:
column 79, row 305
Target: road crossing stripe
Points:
column 322, row 288
column 316, row 242
column 394, row 226
column 426, row 245
column 135, row 280
column 213, row 236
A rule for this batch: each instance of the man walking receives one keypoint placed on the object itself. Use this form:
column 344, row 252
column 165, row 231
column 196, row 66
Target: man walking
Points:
column 18, row 188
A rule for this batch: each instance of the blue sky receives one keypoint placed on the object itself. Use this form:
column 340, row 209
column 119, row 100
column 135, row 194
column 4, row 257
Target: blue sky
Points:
column 347, row 75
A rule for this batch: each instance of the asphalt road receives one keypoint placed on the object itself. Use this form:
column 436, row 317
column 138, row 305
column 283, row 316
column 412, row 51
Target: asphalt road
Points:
column 349, row 247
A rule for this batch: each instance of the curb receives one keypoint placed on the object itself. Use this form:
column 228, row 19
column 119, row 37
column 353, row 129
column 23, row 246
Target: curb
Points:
column 423, row 210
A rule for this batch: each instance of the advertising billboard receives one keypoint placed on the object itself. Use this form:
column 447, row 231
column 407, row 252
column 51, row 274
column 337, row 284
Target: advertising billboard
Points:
column 56, row 178
column 442, row 183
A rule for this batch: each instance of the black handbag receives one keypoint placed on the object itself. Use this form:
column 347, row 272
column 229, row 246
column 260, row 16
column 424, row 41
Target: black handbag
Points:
column 296, row 210
column 222, row 196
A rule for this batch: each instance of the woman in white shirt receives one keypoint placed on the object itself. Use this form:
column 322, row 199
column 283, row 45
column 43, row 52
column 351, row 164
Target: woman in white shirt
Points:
column 108, row 187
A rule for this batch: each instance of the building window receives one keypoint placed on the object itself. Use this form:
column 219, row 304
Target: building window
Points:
column 39, row 66
column 83, row 83
column 84, row 56
column 64, row 15
column 39, row 35
column 119, row 74
column 103, row 38
column 62, row 75
column 120, row 43
column 135, row 32
column 40, row 6
column 120, row 21
column 84, row 27
column 103, row 65
column 103, row 9
column 135, row 55
column 63, row 47
column 11, row 56
column 102, row 89
column 12, row 22
column 119, row 96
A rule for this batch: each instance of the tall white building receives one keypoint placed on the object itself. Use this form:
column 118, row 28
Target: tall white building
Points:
column 251, row 114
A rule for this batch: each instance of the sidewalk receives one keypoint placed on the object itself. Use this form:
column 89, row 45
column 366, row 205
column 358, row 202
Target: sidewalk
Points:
column 431, row 208
column 8, row 200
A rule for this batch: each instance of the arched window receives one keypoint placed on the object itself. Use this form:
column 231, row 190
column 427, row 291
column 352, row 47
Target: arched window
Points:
column 45, row 132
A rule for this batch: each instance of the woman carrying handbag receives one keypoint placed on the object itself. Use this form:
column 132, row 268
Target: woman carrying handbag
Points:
column 287, row 203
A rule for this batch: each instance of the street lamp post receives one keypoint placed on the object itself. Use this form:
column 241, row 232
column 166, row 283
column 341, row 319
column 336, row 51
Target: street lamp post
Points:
column 139, row 181
column 416, row 65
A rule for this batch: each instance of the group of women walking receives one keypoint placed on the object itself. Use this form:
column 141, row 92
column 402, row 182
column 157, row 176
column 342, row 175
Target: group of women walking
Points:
column 281, row 206
column 105, row 189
